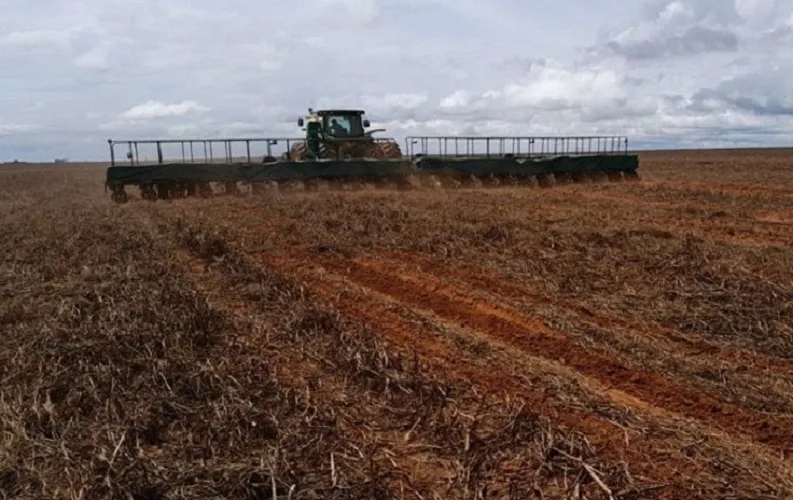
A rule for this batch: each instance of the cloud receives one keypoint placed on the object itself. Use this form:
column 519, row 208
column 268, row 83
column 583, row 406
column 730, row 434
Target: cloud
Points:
column 661, row 71
column 546, row 92
column 95, row 58
column 346, row 12
column 458, row 100
column 672, row 29
column 692, row 41
column 15, row 128
column 155, row 109
column 561, row 88
column 35, row 38
column 393, row 102
column 759, row 93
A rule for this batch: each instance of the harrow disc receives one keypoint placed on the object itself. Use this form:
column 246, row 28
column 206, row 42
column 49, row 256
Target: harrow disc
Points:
column 119, row 196
column 546, row 180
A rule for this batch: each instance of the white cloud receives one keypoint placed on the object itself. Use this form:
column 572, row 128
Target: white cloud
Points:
column 97, row 57
column 36, row 38
column 662, row 71
column 392, row 102
column 679, row 28
column 15, row 128
column 554, row 88
column 459, row 99
column 753, row 8
column 356, row 12
column 156, row 109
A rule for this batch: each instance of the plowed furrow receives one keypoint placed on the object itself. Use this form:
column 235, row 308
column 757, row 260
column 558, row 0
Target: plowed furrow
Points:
column 443, row 355
column 657, row 453
column 363, row 418
column 751, row 228
column 753, row 231
column 731, row 187
column 423, row 456
column 723, row 233
column 744, row 377
column 649, row 199
column 721, row 225
column 536, row 338
column 682, row 344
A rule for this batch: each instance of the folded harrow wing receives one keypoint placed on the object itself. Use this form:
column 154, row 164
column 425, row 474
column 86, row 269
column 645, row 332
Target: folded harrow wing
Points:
column 336, row 151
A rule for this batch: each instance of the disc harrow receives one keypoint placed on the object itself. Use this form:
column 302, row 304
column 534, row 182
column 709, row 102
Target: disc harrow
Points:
column 176, row 180
column 337, row 154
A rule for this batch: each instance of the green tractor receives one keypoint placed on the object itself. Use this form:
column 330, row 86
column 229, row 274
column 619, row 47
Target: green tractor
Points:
column 340, row 134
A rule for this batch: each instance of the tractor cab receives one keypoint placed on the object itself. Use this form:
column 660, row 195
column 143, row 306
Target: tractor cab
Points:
column 340, row 133
column 337, row 123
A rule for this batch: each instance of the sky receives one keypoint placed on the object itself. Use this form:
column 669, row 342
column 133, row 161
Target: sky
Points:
column 682, row 73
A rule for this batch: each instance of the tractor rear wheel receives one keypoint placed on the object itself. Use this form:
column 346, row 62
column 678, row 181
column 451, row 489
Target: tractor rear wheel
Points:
column 298, row 151
column 387, row 149
column 331, row 150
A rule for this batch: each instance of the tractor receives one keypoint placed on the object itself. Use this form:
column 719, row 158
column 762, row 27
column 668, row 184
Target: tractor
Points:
column 340, row 134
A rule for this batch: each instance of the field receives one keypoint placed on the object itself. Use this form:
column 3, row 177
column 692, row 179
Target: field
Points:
column 621, row 340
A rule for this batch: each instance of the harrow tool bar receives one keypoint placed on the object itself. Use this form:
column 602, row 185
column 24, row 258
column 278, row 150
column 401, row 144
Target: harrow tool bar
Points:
column 518, row 147
column 199, row 150
column 430, row 160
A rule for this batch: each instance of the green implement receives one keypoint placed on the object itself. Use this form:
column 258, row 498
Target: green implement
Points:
column 337, row 150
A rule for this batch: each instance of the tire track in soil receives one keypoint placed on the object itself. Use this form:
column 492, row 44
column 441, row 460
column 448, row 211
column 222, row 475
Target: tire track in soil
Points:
column 718, row 233
column 728, row 230
column 732, row 187
column 412, row 455
column 658, row 480
column 696, row 347
column 774, row 226
column 648, row 388
column 776, row 217
column 662, row 455
column 488, row 281
column 645, row 199
column 672, row 469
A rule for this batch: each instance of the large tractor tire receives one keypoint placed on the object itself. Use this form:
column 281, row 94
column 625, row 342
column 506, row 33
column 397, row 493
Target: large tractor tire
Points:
column 345, row 150
column 387, row 149
column 298, row 151
column 330, row 150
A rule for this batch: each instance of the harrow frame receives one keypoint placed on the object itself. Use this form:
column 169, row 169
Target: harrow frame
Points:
column 448, row 160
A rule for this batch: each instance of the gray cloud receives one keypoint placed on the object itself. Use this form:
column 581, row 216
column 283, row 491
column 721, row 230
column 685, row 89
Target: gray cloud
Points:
column 717, row 12
column 677, row 28
column 760, row 93
column 694, row 40
column 140, row 68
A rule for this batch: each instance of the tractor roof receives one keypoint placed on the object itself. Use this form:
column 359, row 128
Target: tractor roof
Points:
column 325, row 112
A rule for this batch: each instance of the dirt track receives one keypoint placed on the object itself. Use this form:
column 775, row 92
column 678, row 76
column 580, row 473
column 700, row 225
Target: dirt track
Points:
column 630, row 340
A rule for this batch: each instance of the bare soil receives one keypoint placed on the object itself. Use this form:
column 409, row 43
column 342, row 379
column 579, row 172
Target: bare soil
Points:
column 622, row 340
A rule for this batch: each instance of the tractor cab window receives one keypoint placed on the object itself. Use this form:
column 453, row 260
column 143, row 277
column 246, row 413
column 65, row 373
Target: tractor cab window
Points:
column 343, row 126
